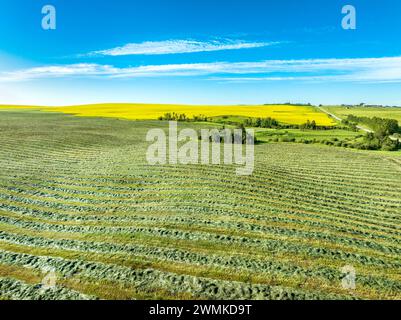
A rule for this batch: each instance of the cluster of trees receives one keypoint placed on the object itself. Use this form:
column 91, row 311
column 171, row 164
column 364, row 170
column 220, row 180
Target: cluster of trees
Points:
column 311, row 125
column 261, row 123
column 380, row 138
column 374, row 141
column 222, row 136
column 273, row 123
column 368, row 142
column 182, row 117
column 349, row 125
column 174, row 117
column 200, row 118
column 308, row 125
column 382, row 127
column 249, row 122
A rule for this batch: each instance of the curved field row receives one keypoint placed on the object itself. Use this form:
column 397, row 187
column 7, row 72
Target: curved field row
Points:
column 126, row 186
column 388, row 207
column 83, row 207
column 263, row 242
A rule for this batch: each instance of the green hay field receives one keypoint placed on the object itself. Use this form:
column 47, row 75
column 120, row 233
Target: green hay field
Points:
column 77, row 195
column 370, row 112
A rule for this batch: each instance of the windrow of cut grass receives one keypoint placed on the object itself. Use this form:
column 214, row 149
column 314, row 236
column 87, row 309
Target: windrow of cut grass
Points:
column 76, row 194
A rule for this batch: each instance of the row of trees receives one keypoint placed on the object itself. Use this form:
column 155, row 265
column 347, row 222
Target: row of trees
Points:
column 261, row 123
column 368, row 142
column 380, row 138
column 382, row 127
column 222, row 136
column 183, row 117
column 372, row 141
column 273, row 123
column 248, row 122
column 311, row 125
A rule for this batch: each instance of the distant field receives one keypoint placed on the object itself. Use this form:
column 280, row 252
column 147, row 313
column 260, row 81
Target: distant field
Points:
column 77, row 195
column 266, row 134
column 287, row 114
column 343, row 112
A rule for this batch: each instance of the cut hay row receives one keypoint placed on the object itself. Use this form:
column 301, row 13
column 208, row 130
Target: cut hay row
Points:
column 277, row 192
column 386, row 228
column 149, row 279
column 258, row 231
column 134, row 219
column 18, row 290
column 27, row 208
column 250, row 188
column 256, row 266
column 366, row 253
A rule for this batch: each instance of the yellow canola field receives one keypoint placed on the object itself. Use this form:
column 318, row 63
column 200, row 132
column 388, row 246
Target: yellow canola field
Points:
column 289, row 114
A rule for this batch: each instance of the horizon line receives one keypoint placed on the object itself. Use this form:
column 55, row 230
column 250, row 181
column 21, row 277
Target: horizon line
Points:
column 367, row 105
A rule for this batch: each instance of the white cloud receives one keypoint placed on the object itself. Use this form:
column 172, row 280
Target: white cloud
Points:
column 178, row 46
column 81, row 69
column 387, row 69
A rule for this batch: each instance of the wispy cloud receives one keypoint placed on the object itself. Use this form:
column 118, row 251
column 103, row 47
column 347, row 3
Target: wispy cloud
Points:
column 386, row 69
column 179, row 46
column 64, row 71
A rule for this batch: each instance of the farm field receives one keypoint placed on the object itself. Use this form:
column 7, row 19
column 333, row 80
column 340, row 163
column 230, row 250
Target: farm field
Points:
column 370, row 112
column 298, row 134
column 77, row 195
column 288, row 114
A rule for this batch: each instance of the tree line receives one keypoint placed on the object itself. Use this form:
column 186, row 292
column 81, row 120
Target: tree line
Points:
column 382, row 129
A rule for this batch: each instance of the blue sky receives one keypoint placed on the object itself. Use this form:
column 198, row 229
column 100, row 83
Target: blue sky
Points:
column 200, row 51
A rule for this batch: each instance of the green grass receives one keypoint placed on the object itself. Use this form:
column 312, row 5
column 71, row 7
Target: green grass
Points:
column 318, row 135
column 381, row 112
column 229, row 120
column 77, row 194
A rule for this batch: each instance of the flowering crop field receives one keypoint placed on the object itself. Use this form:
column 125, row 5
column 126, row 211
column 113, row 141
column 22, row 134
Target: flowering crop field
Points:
column 288, row 114
column 77, row 195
